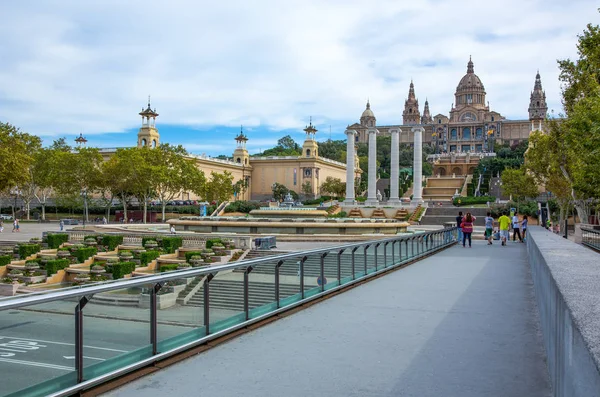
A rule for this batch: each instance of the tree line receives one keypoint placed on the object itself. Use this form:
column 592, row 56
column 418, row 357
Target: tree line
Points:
column 80, row 174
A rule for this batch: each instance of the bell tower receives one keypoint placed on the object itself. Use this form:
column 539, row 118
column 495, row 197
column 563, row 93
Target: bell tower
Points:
column 538, row 108
column 240, row 154
column 411, row 114
column 148, row 134
column 310, row 148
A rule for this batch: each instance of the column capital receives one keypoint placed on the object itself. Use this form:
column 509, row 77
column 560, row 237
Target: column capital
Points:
column 373, row 131
column 394, row 130
column 350, row 132
column 417, row 128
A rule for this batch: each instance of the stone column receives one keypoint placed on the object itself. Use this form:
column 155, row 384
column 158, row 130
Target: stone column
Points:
column 395, row 165
column 417, row 166
column 350, row 134
column 372, row 191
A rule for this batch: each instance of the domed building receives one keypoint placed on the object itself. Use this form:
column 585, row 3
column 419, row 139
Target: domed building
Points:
column 470, row 127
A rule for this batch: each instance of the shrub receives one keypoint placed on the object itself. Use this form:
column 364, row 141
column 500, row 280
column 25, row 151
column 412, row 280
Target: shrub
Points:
column 341, row 214
column 55, row 240
column 84, row 253
column 188, row 255
column 112, row 241
column 213, row 241
column 168, row 268
column 242, row 206
column 146, row 239
column 170, row 244
column 28, row 249
column 55, row 265
column 5, row 260
column 148, row 256
column 473, row 200
column 121, row 269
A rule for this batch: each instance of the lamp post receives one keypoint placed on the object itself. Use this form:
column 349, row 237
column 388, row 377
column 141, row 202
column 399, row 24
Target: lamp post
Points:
column 85, row 206
column 16, row 192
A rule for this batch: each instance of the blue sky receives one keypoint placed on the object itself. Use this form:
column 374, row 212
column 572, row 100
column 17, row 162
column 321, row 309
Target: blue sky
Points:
column 71, row 66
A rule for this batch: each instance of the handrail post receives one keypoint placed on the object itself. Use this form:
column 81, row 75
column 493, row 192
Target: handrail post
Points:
column 277, row 266
column 394, row 252
column 246, row 292
column 323, row 255
column 353, row 263
column 206, row 291
column 365, row 256
column 385, row 253
column 339, row 266
column 79, row 337
column 154, row 318
column 376, row 252
column 304, row 258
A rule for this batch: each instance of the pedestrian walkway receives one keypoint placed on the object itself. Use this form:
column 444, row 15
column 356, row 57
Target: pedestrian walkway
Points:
column 462, row 322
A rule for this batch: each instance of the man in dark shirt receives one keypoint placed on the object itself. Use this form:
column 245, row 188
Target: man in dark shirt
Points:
column 459, row 219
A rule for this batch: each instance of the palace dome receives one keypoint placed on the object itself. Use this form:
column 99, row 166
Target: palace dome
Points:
column 470, row 81
column 368, row 112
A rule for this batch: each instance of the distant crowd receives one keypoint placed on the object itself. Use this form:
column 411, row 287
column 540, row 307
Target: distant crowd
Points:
column 494, row 230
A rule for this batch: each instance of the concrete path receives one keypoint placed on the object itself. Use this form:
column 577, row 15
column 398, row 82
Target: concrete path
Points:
column 460, row 323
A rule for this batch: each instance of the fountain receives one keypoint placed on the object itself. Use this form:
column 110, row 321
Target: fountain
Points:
column 288, row 209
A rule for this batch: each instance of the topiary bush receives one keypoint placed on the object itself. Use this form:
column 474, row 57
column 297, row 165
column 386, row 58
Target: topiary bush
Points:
column 55, row 265
column 56, row 239
column 84, row 253
column 170, row 244
column 168, row 268
column 188, row 255
column 28, row 249
column 213, row 241
column 112, row 241
column 148, row 256
column 120, row 269
column 5, row 260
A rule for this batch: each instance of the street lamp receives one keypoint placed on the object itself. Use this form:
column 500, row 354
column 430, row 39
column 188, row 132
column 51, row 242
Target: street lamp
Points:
column 16, row 192
column 85, row 207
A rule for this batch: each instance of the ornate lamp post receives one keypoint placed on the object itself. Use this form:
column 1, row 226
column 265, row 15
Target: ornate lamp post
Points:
column 15, row 192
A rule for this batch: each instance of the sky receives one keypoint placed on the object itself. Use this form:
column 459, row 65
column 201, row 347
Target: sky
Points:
column 70, row 67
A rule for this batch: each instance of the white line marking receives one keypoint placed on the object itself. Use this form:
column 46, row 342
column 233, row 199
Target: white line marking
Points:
column 13, row 350
column 89, row 358
column 34, row 364
column 66, row 344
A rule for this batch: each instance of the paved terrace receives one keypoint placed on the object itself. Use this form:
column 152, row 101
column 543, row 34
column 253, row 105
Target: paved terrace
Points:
column 463, row 322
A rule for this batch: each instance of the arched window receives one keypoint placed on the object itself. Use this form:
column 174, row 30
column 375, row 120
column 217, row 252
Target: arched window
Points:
column 144, row 142
column 239, row 160
column 492, row 118
column 453, row 134
column 246, row 161
column 466, row 133
column 307, row 152
column 439, row 121
column 538, row 103
column 409, row 110
column 371, row 123
column 479, row 133
column 154, row 143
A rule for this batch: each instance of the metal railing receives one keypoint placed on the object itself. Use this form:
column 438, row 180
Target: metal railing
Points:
column 590, row 237
column 70, row 340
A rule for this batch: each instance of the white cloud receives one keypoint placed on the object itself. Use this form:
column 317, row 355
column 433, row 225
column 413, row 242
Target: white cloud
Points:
column 74, row 66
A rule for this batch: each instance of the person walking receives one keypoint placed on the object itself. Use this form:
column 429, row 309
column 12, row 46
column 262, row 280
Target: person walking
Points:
column 504, row 223
column 516, row 224
column 61, row 224
column 17, row 225
column 467, row 228
column 1, row 225
column 489, row 227
column 459, row 220
column 524, row 227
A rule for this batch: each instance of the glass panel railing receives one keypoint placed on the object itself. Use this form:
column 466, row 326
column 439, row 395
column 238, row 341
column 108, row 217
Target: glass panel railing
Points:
column 37, row 350
column 53, row 347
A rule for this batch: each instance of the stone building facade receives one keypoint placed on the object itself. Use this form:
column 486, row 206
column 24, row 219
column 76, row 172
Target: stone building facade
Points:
column 471, row 126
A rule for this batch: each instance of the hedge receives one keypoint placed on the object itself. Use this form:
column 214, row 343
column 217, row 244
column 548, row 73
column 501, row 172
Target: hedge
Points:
column 121, row 269
column 188, row 255
column 84, row 253
column 168, row 268
column 148, row 256
column 145, row 239
column 213, row 241
column 5, row 260
column 56, row 239
column 473, row 200
column 170, row 244
column 242, row 206
column 28, row 249
column 112, row 241
column 55, row 265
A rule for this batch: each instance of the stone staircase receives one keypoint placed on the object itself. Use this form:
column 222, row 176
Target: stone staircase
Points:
column 229, row 294
column 441, row 215
column 355, row 213
column 442, row 188
column 413, row 217
column 334, row 209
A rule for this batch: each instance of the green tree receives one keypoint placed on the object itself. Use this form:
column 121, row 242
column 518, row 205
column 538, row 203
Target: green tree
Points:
column 334, row 150
column 220, row 187
column 16, row 156
column 287, row 143
column 279, row 191
column 46, row 171
column 518, row 184
column 307, row 189
column 333, row 186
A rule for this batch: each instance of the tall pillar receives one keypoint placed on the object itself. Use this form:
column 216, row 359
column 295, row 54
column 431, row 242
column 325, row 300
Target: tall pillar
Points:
column 395, row 165
column 418, row 166
column 350, row 134
column 372, row 191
